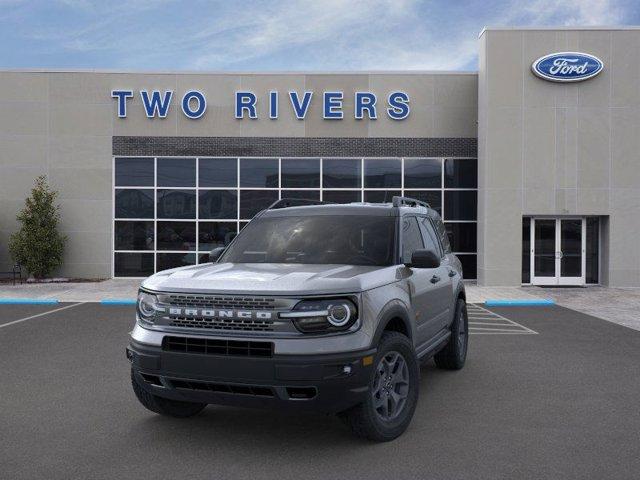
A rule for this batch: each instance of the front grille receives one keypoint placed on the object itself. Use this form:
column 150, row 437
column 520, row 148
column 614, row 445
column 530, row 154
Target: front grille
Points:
column 254, row 390
column 207, row 346
column 211, row 323
column 218, row 301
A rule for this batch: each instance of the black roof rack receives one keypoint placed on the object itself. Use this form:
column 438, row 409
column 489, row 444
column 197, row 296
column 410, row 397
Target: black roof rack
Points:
column 409, row 202
column 295, row 202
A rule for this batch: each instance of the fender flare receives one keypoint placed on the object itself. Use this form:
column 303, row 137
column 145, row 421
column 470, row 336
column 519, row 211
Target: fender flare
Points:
column 393, row 309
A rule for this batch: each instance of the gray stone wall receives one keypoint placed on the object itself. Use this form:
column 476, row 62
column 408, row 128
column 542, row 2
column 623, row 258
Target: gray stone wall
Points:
column 63, row 124
column 558, row 149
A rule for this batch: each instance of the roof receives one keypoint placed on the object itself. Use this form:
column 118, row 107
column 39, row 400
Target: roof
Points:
column 356, row 208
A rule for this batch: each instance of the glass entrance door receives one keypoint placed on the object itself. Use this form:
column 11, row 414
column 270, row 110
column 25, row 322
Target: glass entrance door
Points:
column 558, row 251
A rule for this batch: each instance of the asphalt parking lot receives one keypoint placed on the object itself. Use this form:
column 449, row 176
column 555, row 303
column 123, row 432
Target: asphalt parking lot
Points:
column 546, row 393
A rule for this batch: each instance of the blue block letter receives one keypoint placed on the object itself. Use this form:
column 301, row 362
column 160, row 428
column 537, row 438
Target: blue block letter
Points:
column 156, row 105
column 398, row 105
column 246, row 101
column 122, row 96
column 273, row 105
column 365, row 101
column 300, row 108
column 201, row 101
column 332, row 105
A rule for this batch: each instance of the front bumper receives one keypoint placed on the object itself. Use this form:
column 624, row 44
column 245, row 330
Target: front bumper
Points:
column 323, row 383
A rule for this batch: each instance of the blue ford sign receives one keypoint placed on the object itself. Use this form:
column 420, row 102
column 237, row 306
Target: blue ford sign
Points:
column 567, row 66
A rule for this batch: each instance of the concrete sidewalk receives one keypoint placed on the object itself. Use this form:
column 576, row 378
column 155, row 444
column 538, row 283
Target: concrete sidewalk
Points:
column 618, row 305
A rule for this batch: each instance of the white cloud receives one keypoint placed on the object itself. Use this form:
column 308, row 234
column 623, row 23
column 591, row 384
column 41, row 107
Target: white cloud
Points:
column 297, row 35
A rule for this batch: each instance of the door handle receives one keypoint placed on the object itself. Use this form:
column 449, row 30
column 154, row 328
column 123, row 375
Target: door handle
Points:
column 435, row 279
column 452, row 273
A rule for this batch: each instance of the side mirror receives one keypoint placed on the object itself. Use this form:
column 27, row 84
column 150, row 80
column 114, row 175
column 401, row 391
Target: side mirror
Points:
column 424, row 259
column 214, row 254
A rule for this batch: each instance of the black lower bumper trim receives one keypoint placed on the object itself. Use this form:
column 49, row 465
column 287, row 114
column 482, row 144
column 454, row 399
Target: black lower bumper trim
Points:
column 325, row 383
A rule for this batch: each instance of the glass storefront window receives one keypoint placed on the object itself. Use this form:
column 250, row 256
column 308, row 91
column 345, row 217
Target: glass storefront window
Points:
column 197, row 202
column 341, row 173
column 134, row 172
column 422, row 173
column 593, row 248
column 382, row 173
column 526, row 250
column 218, row 172
column 176, row 172
column 259, row 172
column 300, row 173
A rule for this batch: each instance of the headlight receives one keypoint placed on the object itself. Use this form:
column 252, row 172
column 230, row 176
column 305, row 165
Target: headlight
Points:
column 146, row 306
column 323, row 316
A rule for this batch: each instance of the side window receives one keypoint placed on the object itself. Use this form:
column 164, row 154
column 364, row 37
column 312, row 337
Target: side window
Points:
column 441, row 230
column 411, row 238
column 430, row 238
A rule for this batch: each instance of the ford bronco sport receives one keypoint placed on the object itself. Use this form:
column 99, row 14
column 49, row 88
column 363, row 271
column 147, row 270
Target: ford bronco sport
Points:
column 313, row 306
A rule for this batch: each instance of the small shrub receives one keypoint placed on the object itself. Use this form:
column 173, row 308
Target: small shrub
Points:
column 37, row 245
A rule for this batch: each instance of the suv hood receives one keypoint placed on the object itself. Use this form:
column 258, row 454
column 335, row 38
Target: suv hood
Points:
column 271, row 279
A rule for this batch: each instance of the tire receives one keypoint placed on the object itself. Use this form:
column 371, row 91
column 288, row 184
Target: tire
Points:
column 164, row 406
column 367, row 420
column 454, row 355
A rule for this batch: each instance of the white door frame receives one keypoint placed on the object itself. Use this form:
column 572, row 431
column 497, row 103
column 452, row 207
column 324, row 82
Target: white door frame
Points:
column 558, row 279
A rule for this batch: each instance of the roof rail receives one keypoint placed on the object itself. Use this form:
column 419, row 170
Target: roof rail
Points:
column 409, row 202
column 294, row 202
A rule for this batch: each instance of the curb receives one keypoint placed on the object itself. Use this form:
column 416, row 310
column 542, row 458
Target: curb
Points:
column 520, row 303
column 28, row 301
column 117, row 301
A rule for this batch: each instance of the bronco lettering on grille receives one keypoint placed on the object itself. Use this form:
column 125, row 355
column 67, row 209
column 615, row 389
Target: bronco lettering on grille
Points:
column 213, row 313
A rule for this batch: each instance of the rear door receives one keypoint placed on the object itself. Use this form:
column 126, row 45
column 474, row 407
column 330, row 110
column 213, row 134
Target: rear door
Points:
column 422, row 289
column 444, row 283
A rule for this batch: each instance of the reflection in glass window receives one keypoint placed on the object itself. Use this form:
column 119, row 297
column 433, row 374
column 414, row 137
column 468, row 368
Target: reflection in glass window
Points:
column 460, row 205
column 132, row 264
column 173, row 260
column 176, row 235
column 215, row 234
column 218, row 172
column 380, row 196
column 300, row 172
column 460, row 173
column 134, row 203
column 342, row 196
column 133, row 235
column 218, row 204
column 253, row 201
column 176, row 172
column 259, row 172
column 305, row 194
column 462, row 236
column 134, row 172
column 381, row 173
column 176, row 204
column 341, row 173
column 422, row 173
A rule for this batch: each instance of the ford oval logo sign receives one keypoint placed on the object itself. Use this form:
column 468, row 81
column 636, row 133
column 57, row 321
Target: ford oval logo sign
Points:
column 567, row 66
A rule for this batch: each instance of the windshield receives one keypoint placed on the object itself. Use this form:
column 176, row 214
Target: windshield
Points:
column 349, row 240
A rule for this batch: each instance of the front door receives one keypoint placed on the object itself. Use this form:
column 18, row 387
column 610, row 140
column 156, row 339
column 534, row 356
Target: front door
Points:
column 558, row 251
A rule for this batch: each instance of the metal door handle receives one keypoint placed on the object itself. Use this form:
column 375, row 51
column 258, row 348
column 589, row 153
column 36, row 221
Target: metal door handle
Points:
column 435, row 279
column 452, row 273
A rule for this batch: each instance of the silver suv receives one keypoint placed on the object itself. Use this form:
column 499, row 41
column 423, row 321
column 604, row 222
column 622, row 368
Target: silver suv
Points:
column 318, row 307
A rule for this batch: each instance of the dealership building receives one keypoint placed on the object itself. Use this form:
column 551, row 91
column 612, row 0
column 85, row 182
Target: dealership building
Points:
column 532, row 161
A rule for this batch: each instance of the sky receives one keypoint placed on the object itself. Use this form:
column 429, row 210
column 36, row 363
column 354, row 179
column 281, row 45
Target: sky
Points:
column 275, row 35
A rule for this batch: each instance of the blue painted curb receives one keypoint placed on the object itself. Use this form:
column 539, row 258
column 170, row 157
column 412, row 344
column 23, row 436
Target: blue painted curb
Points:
column 117, row 301
column 28, row 301
column 519, row 303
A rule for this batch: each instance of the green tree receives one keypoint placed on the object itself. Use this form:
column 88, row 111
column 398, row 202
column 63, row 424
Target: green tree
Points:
column 38, row 246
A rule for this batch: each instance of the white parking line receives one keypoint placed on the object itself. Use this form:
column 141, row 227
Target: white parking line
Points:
column 39, row 315
column 486, row 322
